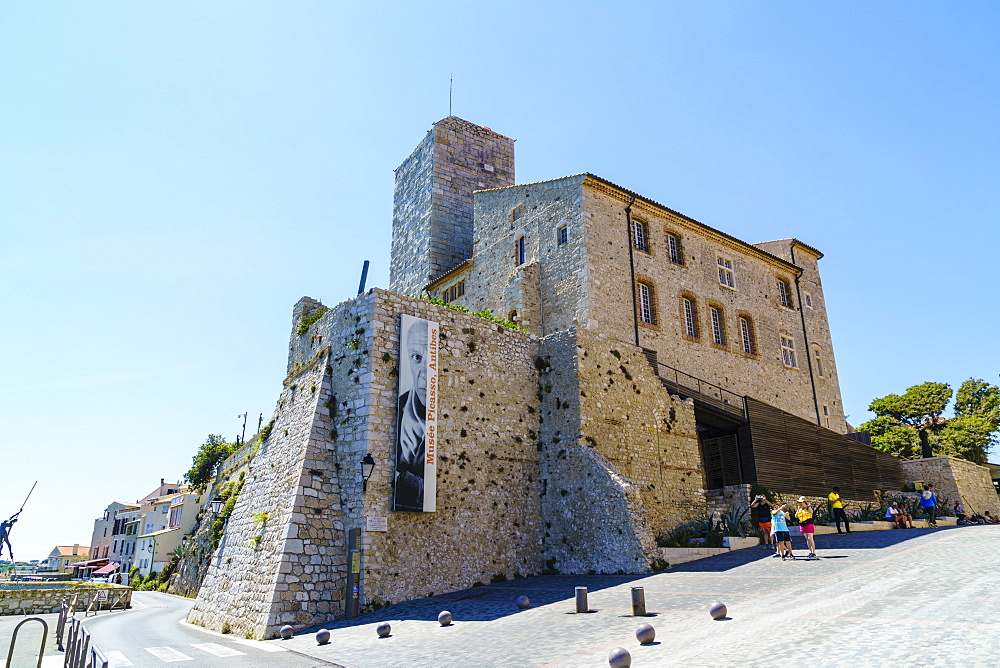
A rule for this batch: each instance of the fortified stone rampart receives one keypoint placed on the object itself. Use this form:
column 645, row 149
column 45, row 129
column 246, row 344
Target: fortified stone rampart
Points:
column 282, row 558
column 621, row 460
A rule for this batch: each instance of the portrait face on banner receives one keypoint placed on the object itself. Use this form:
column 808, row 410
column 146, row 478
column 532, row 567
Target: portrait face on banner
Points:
column 416, row 416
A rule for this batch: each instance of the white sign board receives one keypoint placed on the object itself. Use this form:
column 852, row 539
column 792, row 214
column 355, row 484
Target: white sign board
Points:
column 378, row 524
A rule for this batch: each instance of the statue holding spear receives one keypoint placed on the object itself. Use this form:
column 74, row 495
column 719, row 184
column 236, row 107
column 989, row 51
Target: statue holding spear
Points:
column 7, row 524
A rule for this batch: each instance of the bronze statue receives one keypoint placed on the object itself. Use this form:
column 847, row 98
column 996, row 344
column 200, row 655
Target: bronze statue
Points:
column 7, row 524
column 5, row 527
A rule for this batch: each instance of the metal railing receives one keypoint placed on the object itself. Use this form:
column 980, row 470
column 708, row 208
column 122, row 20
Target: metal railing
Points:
column 729, row 401
column 79, row 651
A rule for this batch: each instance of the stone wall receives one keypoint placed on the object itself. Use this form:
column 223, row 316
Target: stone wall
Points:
column 338, row 404
column 42, row 598
column 432, row 224
column 955, row 478
column 621, row 461
column 495, row 281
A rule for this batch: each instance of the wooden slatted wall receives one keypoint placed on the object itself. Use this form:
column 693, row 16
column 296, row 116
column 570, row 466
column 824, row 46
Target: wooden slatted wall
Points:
column 795, row 456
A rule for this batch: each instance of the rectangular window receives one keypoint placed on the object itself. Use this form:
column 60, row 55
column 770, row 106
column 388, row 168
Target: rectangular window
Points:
column 639, row 238
column 519, row 251
column 516, row 213
column 690, row 321
column 784, row 293
column 647, row 313
column 808, row 299
column 819, row 362
column 454, row 292
column 562, row 236
column 718, row 333
column 826, row 410
column 746, row 336
column 674, row 249
column 726, row 277
column 788, row 352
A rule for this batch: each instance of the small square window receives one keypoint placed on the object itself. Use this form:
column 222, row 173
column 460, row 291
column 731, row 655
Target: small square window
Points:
column 516, row 213
column 562, row 236
column 808, row 300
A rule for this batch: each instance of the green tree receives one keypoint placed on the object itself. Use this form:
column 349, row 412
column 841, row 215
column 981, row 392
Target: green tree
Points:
column 968, row 435
column 213, row 451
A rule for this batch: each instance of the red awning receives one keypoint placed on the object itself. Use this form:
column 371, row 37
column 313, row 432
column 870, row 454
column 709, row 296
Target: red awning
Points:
column 107, row 570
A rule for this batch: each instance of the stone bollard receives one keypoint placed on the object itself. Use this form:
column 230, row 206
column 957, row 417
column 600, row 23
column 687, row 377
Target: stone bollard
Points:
column 523, row 603
column 444, row 619
column 285, row 632
column 718, row 610
column 619, row 658
column 383, row 629
column 581, row 600
column 322, row 637
column 645, row 634
column 638, row 602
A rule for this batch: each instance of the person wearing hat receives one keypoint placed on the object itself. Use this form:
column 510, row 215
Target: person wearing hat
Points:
column 807, row 526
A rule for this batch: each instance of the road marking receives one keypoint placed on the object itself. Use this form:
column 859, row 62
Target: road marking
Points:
column 218, row 650
column 53, row 661
column 168, row 654
column 117, row 660
column 257, row 644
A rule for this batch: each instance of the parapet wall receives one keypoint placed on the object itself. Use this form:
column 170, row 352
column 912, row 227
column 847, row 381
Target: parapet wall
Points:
column 955, row 478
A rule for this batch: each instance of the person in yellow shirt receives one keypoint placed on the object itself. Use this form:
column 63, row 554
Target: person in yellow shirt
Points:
column 837, row 506
column 807, row 526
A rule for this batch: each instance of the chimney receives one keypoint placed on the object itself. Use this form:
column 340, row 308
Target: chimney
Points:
column 76, row 548
column 161, row 482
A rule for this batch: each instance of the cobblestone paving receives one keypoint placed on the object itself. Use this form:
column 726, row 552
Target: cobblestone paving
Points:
column 920, row 597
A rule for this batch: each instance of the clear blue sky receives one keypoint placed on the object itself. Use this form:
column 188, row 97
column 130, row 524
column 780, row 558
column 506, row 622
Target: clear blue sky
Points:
column 173, row 177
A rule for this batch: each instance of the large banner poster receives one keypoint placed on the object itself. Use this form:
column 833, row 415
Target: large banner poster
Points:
column 416, row 416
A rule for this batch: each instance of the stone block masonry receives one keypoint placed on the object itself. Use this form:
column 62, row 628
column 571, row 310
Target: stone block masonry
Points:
column 621, row 460
column 282, row 559
column 432, row 222
column 956, row 479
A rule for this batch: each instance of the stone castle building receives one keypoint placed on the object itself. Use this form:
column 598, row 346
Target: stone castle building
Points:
column 661, row 367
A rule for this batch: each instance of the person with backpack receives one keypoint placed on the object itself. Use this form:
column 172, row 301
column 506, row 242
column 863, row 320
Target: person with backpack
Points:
column 929, row 502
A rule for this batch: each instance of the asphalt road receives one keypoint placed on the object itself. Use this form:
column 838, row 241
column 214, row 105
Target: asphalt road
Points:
column 151, row 635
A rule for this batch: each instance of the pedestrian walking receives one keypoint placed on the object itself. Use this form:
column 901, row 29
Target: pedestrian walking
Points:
column 837, row 508
column 763, row 509
column 779, row 526
column 807, row 526
column 929, row 502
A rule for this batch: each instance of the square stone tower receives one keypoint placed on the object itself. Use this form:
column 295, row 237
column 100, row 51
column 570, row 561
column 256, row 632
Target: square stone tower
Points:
column 432, row 217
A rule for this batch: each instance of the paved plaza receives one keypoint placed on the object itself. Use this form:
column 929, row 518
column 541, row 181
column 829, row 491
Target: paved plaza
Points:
column 922, row 597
